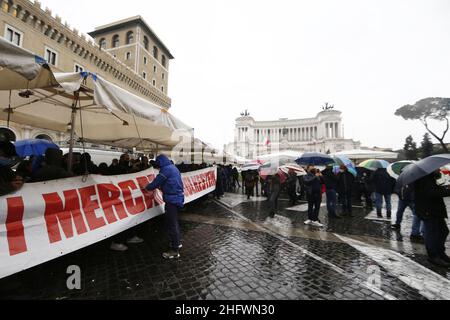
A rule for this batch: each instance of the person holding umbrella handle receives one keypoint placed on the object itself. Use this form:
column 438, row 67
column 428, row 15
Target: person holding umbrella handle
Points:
column 430, row 207
column 313, row 182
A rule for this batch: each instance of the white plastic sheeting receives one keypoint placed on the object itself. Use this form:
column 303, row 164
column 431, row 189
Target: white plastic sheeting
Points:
column 108, row 114
column 367, row 154
column 24, row 69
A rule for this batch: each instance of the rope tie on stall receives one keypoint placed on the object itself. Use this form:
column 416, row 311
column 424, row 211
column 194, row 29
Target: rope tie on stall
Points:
column 85, row 165
column 9, row 107
column 137, row 129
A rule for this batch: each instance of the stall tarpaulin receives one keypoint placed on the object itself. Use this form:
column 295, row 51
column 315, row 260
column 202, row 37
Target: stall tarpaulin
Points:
column 44, row 221
column 23, row 69
column 106, row 114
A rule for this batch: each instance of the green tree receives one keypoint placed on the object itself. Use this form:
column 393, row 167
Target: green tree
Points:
column 426, row 147
column 410, row 148
column 426, row 109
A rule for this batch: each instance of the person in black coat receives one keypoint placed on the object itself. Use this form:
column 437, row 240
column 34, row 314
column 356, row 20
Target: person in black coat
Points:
column 313, row 183
column 292, row 187
column 384, row 187
column 346, row 181
column 367, row 188
column 52, row 170
column 86, row 166
column 243, row 173
column 8, row 158
column 430, row 207
column 274, row 195
column 235, row 175
column 331, row 184
column 219, row 192
column 250, row 179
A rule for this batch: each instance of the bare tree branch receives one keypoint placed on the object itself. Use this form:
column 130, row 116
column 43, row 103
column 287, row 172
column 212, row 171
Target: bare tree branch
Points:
column 425, row 123
column 446, row 130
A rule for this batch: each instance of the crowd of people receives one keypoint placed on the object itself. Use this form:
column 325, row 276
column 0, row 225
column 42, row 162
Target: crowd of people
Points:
column 54, row 165
column 227, row 180
column 344, row 190
column 14, row 171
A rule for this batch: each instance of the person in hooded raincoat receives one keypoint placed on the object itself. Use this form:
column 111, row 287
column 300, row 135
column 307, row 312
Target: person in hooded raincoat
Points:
column 169, row 181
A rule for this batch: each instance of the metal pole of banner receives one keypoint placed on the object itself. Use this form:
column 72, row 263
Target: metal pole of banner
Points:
column 72, row 130
column 192, row 150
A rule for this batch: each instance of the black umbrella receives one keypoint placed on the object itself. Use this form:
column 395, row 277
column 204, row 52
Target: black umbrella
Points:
column 314, row 158
column 422, row 168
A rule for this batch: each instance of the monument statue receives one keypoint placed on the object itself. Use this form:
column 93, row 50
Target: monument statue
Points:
column 327, row 107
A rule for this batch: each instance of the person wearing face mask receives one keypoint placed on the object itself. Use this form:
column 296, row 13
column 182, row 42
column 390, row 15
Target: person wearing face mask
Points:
column 430, row 207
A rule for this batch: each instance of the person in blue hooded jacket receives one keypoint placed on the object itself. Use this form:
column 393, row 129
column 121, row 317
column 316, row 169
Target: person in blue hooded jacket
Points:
column 170, row 183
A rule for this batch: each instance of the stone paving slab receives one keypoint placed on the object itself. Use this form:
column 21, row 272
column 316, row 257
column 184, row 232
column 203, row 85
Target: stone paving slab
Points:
column 217, row 263
column 359, row 225
column 224, row 257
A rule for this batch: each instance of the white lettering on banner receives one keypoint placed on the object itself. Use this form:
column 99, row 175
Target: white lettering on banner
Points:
column 74, row 280
column 44, row 221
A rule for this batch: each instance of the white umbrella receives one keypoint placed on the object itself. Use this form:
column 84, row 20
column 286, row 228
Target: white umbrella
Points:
column 293, row 167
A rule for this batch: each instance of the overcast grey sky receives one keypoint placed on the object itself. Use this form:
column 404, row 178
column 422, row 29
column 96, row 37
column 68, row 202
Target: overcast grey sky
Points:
column 285, row 58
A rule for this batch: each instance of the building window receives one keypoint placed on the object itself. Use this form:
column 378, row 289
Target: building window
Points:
column 155, row 70
column 163, row 60
column 146, row 43
column 155, row 52
column 44, row 137
column 162, row 89
column 145, row 60
column 78, row 68
column 128, row 56
column 130, row 37
column 154, row 82
column 102, row 43
column 144, row 75
column 163, row 76
column 115, row 41
column 13, row 35
column 51, row 56
column 7, row 135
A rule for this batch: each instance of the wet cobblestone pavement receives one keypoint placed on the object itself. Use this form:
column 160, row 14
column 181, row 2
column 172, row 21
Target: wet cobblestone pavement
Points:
column 237, row 253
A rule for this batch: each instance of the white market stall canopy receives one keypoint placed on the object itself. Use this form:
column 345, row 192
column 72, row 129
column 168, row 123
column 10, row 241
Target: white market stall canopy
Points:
column 361, row 154
column 108, row 114
column 287, row 154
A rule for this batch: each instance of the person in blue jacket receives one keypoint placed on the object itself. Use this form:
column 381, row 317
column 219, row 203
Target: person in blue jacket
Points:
column 170, row 183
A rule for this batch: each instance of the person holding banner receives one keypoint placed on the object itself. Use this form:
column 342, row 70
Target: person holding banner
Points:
column 169, row 181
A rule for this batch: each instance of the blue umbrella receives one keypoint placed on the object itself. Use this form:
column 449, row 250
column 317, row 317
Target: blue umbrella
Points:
column 316, row 159
column 422, row 168
column 337, row 169
column 33, row 147
column 344, row 161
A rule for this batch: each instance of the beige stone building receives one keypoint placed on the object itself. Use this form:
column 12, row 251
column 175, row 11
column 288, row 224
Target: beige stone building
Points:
column 127, row 53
